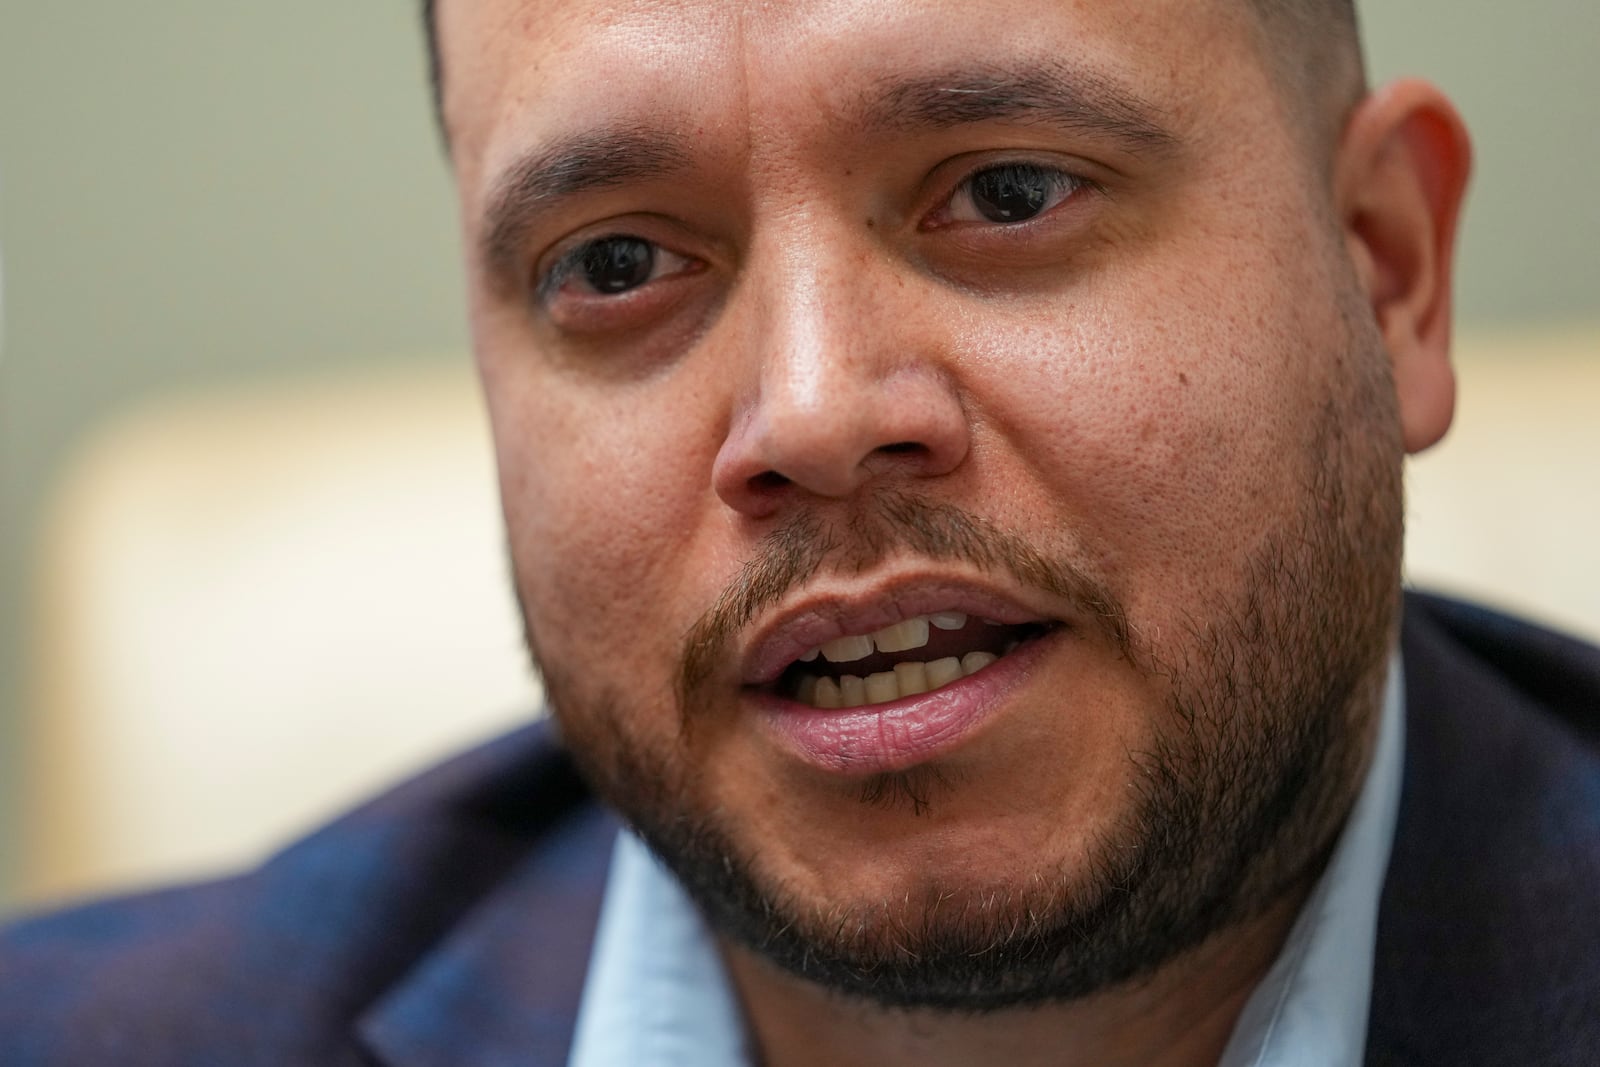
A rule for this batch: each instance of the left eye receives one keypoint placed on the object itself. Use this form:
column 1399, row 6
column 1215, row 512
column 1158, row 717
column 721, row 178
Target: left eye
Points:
column 1011, row 193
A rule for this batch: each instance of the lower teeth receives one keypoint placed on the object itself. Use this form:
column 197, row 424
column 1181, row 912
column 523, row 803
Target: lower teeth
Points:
column 907, row 679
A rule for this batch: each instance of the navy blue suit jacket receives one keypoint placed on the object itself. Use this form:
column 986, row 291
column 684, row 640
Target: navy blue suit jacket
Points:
column 449, row 922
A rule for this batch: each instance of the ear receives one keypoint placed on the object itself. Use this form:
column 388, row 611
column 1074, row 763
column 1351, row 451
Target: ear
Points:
column 1400, row 177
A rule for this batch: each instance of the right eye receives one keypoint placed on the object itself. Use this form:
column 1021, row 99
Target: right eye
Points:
column 611, row 266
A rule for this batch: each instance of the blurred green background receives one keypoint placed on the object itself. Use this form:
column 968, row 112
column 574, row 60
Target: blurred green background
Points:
column 193, row 192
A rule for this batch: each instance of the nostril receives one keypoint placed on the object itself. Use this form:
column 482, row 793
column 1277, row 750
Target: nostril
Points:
column 768, row 481
column 901, row 447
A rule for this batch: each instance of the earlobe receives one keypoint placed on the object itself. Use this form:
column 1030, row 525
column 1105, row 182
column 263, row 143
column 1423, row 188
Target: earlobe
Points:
column 1401, row 177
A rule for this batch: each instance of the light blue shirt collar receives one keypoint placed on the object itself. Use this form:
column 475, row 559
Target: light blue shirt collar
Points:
column 1311, row 1008
column 657, row 994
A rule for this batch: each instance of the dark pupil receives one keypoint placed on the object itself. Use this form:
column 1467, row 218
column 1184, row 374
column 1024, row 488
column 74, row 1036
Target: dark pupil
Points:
column 1011, row 194
column 616, row 264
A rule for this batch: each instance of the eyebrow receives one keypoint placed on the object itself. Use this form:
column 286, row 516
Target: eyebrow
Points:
column 612, row 156
column 1069, row 99
column 581, row 163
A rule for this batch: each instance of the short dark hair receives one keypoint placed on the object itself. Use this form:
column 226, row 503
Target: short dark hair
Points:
column 1313, row 45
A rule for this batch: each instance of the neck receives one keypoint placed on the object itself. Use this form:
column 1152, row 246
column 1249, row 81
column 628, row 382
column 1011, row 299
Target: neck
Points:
column 1181, row 1016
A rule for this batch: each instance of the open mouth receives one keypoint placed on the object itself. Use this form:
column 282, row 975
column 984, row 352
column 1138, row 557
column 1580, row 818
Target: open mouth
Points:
column 913, row 656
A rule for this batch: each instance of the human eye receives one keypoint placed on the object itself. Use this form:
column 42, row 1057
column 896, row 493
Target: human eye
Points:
column 610, row 267
column 1010, row 193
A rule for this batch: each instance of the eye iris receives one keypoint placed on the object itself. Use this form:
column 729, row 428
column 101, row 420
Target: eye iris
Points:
column 617, row 264
column 1011, row 193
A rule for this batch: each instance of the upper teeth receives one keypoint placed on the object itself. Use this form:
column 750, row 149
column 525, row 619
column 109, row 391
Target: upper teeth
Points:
column 903, row 636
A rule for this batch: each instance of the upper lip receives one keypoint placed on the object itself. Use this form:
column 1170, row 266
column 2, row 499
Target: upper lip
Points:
column 783, row 636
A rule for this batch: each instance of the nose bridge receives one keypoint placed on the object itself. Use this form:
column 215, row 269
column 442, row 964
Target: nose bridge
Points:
column 819, row 361
column 848, row 384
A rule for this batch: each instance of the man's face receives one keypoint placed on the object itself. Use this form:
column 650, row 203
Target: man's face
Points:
column 1024, row 325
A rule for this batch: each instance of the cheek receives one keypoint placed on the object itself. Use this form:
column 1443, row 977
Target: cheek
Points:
column 602, row 502
column 1165, row 444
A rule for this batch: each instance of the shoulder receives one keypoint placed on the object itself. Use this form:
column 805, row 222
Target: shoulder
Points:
column 1506, row 706
column 1488, row 947
column 274, row 965
column 1555, row 671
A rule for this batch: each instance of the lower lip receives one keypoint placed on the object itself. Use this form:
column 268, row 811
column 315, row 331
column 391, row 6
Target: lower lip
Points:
column 880, row 738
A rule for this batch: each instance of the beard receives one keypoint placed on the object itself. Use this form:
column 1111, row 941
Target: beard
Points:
column 1240, row 793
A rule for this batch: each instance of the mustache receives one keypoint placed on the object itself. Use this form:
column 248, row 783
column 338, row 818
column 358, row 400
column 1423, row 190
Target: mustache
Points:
column 887, row 525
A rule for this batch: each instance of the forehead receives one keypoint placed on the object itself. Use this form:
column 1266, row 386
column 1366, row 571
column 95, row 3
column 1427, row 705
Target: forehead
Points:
column 519, row 71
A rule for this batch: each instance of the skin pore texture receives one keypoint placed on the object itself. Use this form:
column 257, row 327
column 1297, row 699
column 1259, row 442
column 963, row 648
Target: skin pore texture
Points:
column 798, row 320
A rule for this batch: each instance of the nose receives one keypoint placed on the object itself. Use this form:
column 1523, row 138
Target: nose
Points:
column 852, row 387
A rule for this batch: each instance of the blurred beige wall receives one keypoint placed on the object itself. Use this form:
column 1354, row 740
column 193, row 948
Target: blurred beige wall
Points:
column 193, row 192
column 190, row 193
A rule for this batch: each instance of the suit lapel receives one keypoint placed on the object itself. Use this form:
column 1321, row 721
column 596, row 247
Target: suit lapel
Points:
column 503, row 987
column 1487, row 936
